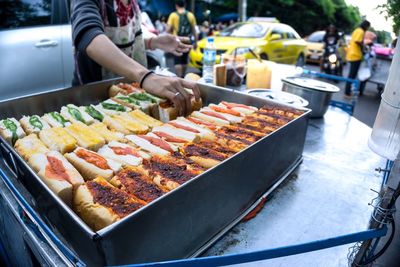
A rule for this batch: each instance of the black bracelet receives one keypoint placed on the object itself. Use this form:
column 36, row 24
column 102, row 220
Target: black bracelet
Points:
column 144, row 78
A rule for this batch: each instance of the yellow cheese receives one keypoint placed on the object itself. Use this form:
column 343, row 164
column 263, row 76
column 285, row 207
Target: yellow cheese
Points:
column 58, row 139
column 107, row 134
column 145, row 119
column 85, row 136
column 131, row 125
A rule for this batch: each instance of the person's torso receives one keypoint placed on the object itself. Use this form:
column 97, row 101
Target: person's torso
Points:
column 182, row 23
column 354, row 53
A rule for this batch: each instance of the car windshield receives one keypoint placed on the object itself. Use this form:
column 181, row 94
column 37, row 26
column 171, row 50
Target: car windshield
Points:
column 316, row 37
column 245, row 30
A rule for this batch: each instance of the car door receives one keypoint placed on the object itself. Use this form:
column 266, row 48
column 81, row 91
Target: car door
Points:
column 276, row 49
column 30, row 48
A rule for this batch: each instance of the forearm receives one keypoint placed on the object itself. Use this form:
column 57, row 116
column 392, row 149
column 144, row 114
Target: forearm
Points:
column 106, row 54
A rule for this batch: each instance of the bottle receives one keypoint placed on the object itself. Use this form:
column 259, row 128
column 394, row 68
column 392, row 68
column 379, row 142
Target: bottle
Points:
column 209, row 58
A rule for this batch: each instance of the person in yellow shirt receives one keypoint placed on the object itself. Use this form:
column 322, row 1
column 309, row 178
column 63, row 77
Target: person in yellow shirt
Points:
column 182, row 23
column 355, row 52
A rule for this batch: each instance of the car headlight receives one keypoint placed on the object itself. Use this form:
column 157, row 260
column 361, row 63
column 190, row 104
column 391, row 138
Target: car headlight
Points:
column 332, row 58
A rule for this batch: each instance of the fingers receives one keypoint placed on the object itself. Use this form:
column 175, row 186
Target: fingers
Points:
column 186, row 97
column 194, row 87
column 184, row 39
column 177, row 99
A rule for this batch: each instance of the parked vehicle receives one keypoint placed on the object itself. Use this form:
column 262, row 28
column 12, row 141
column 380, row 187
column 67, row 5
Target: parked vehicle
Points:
column 36, row 47
column 273, row 41
column 315, row 47
column 383, row 52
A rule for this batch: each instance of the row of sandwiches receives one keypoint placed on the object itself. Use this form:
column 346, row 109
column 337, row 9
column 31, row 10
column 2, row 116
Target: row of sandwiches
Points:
column 105, row 173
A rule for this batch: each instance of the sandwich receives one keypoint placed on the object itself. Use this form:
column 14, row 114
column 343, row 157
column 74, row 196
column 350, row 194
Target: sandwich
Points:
column 229, row 151
column 203, row 156
column 221, row 113
column 121, row 153
column 202, row 123
column 145, row 119
column 150, row 144
column 110, row 107
column 288, row 112
column 137, row 183
column 93, row 112
column 130, row 102
column 30, row 145
column 165, row 112
column 99, row 204
column 85, row 136
column 125, row 124
column 186, row 133
column 33, row 124
column 57, row 173
column 238, row 132
column 167, row 173
column 11, row 130
column 239, row 107
column 75, row 114
column 55, row 119
column 168, row 138
column 90, row 164
column 211, row 117
column 58, row 139
column 202, row 131
column 107, row 134
column 123, row 88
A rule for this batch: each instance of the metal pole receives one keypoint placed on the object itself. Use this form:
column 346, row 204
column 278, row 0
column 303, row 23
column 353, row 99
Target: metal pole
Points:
column 242, row 10
column 192, row 5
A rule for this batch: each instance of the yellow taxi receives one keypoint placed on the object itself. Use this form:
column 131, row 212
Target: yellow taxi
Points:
column 272, row 41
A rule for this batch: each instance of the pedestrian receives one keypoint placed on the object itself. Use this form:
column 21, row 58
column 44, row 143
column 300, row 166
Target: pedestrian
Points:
column 108, row 42
column 355, row 53
column 182, row 23
column 204, row 30
column 161, row 25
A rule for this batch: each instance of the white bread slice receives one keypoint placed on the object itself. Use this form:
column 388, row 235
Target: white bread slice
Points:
column 110, row 107
column 33, row 124
column 75, row 114
column 93, row 214
column 212, row 119
column 90, row 171
column 55, row 119
column 58, row 139
column 183, row 134
column 11, row 130
column 126, row 155
column 85, row 136
column 40, row 163
column 107, row 134
column 146, row 145
column 30, row 145
column 204, row 132
column 229, row 117
column 166, row 112
column 61, row 188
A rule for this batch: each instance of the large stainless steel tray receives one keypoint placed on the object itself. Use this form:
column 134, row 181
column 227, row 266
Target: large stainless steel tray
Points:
column 184, row 221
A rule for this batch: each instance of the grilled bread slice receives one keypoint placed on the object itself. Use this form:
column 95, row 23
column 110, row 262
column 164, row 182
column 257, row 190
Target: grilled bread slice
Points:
column 203, row 156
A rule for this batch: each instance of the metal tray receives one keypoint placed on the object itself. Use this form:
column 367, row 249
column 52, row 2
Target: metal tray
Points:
column 183, row 222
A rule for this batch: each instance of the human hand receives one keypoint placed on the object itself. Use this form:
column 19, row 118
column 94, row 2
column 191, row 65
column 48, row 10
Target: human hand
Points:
column 173, row 88
column 176, row 45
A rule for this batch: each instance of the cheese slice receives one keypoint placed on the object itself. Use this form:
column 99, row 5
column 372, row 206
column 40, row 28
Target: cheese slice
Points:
column 107, row 134
column 144, row 118
column 85, row 136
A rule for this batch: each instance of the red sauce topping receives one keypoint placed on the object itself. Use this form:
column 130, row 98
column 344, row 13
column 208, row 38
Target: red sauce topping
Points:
column 186, row 128
column 169, row 138
column 157, row 142
column 224, row 110
column 175, row 172
column 93, row 158
column 214, row 114
column 56, row 170
column 125, row 151
column 115, row 199
column 235, row 105
column 205, row 123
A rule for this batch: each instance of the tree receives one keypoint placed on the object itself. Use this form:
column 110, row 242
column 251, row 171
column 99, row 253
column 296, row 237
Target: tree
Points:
column 392, row 10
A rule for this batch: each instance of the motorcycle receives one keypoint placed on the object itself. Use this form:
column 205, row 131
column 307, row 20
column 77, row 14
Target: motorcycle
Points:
column 331, row 61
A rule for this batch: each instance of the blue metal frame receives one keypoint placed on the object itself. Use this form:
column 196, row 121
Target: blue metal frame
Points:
column 349, row 108
column 271, row 253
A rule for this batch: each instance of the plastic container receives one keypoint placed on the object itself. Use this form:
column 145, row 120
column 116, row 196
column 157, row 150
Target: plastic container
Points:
column 209, row 57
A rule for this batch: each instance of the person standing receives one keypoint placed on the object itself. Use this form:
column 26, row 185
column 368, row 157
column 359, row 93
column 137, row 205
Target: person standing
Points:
column 355, row 52
column 108, row 42
column 182, row 23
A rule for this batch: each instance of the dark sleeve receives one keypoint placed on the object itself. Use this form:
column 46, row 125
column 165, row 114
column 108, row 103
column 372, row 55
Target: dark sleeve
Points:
column 325, row 38
column 86, row 22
